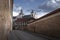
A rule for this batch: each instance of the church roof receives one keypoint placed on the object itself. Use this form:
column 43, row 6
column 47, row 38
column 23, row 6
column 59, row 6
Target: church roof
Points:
column 27, row 16
column 14, row 17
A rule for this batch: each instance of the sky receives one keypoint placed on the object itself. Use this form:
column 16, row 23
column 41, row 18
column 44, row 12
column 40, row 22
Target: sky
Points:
column 45, row 6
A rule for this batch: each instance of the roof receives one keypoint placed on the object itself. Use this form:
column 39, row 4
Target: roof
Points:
column 28, row 17
column 20, row 20
column 23, row 19
column 14, row 17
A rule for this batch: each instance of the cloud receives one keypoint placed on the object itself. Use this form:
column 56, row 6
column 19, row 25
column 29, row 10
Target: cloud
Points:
column 15, row 13
column 49, row 5
column 53, row 1
column 58, row 0
column 19, row 8
column 16, row 9
column 40, row 14
column 54, row 4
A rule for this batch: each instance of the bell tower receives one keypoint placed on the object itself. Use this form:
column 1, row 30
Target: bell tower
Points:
column 21, row 14
column 33, row 13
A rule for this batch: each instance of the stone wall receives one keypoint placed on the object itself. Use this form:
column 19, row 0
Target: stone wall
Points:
column 49, row 26
column 5, row 18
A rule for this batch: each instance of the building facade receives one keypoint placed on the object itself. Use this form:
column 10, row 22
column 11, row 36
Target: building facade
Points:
column 22, row 20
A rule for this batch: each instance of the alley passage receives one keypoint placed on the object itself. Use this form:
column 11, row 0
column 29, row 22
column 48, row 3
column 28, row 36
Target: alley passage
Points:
column 22, row 35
